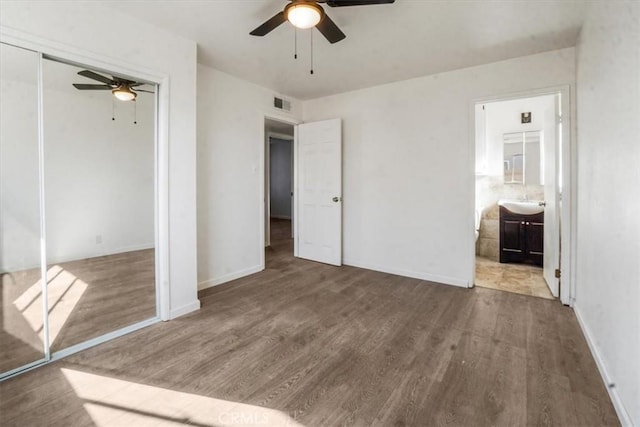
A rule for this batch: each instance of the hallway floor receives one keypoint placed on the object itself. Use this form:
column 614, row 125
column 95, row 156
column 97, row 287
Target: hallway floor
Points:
column 517, row 278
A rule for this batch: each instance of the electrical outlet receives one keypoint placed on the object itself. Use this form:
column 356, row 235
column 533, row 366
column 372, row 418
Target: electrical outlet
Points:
column 98, row 239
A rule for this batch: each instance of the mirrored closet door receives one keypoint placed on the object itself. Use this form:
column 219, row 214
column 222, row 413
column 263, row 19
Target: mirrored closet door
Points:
column 99, row 204
column 22, row 329
column 78, row 207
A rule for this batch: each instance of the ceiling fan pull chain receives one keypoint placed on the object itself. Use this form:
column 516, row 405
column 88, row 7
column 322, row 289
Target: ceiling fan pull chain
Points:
column 113, row 109
column 135, row 112
column 295, row 42
column 311, row 32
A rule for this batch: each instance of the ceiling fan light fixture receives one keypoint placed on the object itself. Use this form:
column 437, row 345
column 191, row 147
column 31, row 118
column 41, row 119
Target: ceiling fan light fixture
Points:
column 124, row 93
column 303, row 15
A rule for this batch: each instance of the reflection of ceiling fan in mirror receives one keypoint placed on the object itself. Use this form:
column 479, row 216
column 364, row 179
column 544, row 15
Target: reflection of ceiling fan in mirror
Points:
column 122, row 89
column 308, row 13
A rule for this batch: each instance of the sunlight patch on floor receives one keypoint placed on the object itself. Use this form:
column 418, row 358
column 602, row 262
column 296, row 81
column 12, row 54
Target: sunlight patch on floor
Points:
column 64, row 291
column 114, row 402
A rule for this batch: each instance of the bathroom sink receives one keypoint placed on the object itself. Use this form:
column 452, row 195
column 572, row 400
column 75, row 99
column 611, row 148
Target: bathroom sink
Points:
column 529, row 207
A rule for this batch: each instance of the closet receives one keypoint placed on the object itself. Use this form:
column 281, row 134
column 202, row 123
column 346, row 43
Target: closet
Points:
column 77, row 209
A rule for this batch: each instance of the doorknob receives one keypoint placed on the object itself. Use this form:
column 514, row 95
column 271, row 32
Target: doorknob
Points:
column 336, row 199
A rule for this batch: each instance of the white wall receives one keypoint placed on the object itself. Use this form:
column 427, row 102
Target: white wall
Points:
column 98, row 173
column 480, row 115
column 281, row 152
column 608, row 223
column 104, row 35
column 408, row 162
column 231, row 140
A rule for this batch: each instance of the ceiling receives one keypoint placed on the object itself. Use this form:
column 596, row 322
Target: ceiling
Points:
column 385, row 43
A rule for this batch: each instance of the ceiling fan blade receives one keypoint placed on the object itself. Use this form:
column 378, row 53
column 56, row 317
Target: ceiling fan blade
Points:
column 330, row 30
column 98, row 77
column 142, row 90
column 340, row 3
column 270, row 25
column 82, row 86
column 119, row 79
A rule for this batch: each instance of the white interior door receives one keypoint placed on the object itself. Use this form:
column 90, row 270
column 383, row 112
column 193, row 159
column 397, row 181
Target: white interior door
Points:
column 319, row 190
column 551, row 257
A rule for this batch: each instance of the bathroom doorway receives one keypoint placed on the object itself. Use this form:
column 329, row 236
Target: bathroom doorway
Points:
column 521, row 147
column 279, row 211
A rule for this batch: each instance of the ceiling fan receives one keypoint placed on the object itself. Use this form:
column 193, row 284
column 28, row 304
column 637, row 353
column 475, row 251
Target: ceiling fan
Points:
column 308, row 13
column 122, row 89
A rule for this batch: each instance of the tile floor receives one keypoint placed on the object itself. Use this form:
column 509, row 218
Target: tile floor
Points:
column 518, row 278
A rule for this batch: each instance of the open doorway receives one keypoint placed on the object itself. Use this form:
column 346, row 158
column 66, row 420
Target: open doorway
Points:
column 519, row 144
column 279, row 175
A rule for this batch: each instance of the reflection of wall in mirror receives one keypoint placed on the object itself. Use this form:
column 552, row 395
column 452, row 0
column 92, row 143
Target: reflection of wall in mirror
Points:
column 533, row 158
column 513, row 160
column 99, row 173
column 522, row 158
column 19, row 159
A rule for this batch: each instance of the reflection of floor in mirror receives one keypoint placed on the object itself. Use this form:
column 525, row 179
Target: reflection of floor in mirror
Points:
column 517, row 278
column 86, row 298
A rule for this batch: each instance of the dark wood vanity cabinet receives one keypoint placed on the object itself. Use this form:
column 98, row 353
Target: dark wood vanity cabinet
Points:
column 521, row 237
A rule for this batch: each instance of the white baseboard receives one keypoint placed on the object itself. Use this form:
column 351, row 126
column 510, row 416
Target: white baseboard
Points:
column 623, row 415
column 77, row 257
column 112, row 251
column 229, row 277
column 407, row 273
column 185, row 309
column 134, row 248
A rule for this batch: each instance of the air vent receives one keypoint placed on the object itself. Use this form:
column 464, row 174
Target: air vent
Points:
column 281, row 104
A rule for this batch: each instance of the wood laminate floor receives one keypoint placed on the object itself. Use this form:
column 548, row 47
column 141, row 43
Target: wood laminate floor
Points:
column 303, row 343
column 86, row 298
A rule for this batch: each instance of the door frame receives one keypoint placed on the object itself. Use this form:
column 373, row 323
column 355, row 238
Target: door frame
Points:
column 567, row 211
column 80, row 57
column 263, row 170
